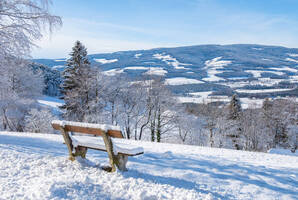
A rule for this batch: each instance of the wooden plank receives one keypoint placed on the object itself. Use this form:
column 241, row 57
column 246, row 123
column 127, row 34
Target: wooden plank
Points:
column 92, row 131
column 101, row 149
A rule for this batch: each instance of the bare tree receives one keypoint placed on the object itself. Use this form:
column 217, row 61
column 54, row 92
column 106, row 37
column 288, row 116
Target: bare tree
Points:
column 21, row 23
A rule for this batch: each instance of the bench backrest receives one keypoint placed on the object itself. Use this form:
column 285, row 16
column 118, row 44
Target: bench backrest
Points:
column 93, row 129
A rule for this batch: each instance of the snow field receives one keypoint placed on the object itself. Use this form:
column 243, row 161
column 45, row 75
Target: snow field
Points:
column 291, row 60
column 138, row 55
column 113, row 72
column 212, row 66
column 105, row 61
column 263, row 90
column 35, row 166
column 58, row 67
column 171, row 61
column 181, row 81
column 158, row 71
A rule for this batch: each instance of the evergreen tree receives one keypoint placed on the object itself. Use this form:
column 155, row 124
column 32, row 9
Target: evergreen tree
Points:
column 234, row 108
column 234, row 115
column 76, row 84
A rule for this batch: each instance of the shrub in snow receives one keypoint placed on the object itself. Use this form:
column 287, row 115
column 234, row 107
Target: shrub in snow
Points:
column 39, row 121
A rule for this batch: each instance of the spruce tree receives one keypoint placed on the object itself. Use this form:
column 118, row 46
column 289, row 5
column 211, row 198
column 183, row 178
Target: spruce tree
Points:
column 75, row 86
column 234, row 108
column 234, row 114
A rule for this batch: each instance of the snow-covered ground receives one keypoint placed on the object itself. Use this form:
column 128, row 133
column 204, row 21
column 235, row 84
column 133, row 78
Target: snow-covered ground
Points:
column 59, row 67
column 260, row 81
column 171, row 61
column 136, row 68
column 35, row 166
column 212, row 67
column 258, row 73
column 138, row 55
column 51, row 103
column 263, row 90
column 158, row 71
column 291, row 60
column 105, row 61
column 203, row 99
column 181, row 81
column 61, row 60
column 113, row 72
column 293, row 54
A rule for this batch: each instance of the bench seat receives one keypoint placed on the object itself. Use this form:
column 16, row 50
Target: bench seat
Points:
column 119, row 146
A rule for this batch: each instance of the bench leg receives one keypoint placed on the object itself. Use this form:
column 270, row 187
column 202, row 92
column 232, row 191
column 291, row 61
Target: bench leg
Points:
column 68, row 143
column 121, row 162
column 81, row 151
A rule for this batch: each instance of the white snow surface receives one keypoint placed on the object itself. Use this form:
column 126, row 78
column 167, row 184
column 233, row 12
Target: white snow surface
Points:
column 138, row 55
column 283, row 152
column 263, row 90
column 105, row 61
column 50, row 102
column 293, row 54
column 201, row 94
column 203, row 99
column 285, row 69
column 260, row 81
column 258, row 49
column 157, row 71
column 35, row 166
column 113, row 72
column 212, row 66
column 58, row 67
column 217, row 62
column 60, row 60
column 136, row 68
column 291, row 60
column 104, row 127
column 171, row 61
column 181, row 81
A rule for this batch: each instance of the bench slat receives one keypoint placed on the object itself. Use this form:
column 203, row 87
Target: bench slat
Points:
column 88, row 130
column 97, row 143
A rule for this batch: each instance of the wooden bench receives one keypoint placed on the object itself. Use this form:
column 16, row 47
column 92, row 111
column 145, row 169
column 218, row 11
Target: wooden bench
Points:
column 78, row 145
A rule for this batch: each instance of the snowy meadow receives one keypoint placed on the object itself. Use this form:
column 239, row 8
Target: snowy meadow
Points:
column 35, row 166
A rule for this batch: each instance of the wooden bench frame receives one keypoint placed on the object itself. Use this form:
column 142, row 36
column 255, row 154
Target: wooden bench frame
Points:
column 118, row 160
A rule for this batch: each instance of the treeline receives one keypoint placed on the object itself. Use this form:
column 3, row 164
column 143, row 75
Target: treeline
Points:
column 274, row 125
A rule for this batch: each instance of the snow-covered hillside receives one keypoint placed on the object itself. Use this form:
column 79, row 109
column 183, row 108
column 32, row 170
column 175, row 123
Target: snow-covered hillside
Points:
column 35, row 166
column 257, row 71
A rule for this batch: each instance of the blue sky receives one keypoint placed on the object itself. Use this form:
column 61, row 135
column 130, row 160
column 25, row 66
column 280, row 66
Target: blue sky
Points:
column 113, row 25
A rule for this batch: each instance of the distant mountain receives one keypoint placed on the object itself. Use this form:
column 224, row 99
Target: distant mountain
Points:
column 207, row 70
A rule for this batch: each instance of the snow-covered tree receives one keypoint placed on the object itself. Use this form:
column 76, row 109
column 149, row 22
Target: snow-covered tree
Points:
column 21, row 23
column 234, row 108
column 76, row 84
column 39, row 121
column 19, row 87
